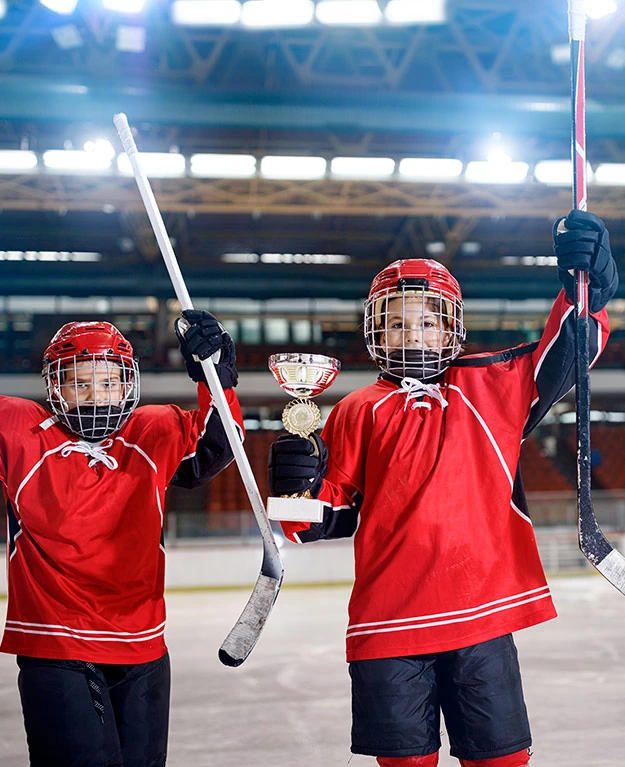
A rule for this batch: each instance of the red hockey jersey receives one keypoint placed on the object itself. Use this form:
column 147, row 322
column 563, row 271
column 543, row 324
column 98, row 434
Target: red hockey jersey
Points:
column 445, row 552
column 86, row 562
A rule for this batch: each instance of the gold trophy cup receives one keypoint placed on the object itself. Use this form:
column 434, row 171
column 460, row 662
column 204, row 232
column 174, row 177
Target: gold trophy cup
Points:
column 303, row 376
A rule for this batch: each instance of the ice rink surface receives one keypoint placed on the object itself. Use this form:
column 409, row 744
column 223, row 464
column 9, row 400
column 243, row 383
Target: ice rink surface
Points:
column 288, row 705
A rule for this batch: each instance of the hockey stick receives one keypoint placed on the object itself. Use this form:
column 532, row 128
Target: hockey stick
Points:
column 241, row 640
column 592, row 542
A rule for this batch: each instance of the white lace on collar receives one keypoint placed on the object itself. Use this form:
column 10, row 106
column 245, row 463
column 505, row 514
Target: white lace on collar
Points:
column 95, row 450
column 413, row 388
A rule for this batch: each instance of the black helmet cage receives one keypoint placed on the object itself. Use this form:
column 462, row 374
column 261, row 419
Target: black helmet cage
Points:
column 444, row 311
column 93, row 419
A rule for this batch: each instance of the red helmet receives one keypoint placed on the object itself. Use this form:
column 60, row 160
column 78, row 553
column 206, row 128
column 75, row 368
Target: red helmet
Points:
column 85, row 339
column 91, row 378
column 428, row 295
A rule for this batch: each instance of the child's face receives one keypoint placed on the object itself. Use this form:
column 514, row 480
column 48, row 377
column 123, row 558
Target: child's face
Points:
column 98, row 382
column 412, row 324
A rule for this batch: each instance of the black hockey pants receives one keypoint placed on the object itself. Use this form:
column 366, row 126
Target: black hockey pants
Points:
column 95, row 715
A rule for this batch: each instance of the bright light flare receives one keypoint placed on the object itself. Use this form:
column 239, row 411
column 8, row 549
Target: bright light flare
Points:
column 368, row 168
column 259, row 14
column 498, row 172
column 416, row 12
column 62, row 7
column 75, row 161
column 101, row 146
column 557, row 172
column 348, row 12
column 596, row 9
column 124, row 6
column 154, row 164
column 17, row 160
column 205, row 12
column 223, row 165
column 280, row 166
column 429, row 169
column 610, row 174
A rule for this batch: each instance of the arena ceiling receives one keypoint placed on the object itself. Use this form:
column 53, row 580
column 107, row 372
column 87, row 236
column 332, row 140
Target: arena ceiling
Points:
column 416, row 91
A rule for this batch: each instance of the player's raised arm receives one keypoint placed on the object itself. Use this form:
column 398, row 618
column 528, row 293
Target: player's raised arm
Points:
column 581, row 241
column 201, row 336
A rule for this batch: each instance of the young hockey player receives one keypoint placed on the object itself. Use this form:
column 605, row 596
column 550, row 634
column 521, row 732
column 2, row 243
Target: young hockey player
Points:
column 423, row 467
column 84, row 481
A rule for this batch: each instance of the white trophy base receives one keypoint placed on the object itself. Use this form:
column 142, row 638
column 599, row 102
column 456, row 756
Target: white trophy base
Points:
column 295, row 509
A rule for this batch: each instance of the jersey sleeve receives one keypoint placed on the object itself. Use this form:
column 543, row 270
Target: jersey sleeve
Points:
column 554, row 358
column 207, row 450
column 346, row 434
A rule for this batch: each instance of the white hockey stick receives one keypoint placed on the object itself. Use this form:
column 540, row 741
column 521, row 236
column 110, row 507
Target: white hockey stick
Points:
column 241, row 640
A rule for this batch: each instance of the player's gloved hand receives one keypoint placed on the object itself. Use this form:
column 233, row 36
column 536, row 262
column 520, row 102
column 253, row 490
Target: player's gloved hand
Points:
column 294, row 467
column 203, row 338
column 586, row 246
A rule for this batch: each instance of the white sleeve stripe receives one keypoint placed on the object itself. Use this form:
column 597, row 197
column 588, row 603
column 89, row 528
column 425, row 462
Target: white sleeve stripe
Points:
column 552, row 342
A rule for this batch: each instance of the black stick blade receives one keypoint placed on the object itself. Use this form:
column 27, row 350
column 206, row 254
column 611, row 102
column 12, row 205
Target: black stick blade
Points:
column 241, row 640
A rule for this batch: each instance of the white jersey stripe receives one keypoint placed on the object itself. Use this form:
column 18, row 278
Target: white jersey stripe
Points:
column 453, row 612
column 463, row 619
column 86, row 638
column 85, row 631
column 139, row 450
column 492, row 440
column 36, row 466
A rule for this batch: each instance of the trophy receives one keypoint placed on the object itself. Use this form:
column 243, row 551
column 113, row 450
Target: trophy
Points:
column 303, row 376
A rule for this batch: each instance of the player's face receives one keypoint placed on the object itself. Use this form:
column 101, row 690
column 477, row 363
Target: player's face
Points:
column 98, row 382
column 412, row 325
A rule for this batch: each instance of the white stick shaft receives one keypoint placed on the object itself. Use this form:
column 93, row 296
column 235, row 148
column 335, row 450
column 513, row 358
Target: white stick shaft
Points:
column 164, row 243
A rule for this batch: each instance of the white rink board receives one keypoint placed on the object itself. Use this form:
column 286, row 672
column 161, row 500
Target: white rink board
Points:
column 288, row 705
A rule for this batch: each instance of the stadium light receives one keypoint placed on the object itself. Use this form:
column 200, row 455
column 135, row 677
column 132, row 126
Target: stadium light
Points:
column 205, row 12
column 348, row 12
column 130, row 39
column 3, row 8
column 17, row 161
column 124, row 6
column 498, row 170
column 610, row 174
column 49, row 255
column 75, row 161
column 293, row 167
column 368, row 168
column 557, row 172
column 67, row 36
column 259, row 14
column 560, row 53
column 154, row 164
column 596, row 9
column 429, row 169
column 223, row 165
column 62, row 7
column 305, row 258
column 416, row 12
column 101, row 147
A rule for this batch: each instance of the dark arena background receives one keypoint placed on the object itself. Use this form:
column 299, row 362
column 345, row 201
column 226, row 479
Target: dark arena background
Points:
column 295, row 148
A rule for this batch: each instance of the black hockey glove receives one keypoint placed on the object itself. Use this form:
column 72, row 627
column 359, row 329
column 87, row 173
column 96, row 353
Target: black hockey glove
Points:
column 202, row 339
column 294, row 467
column 586, row 246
